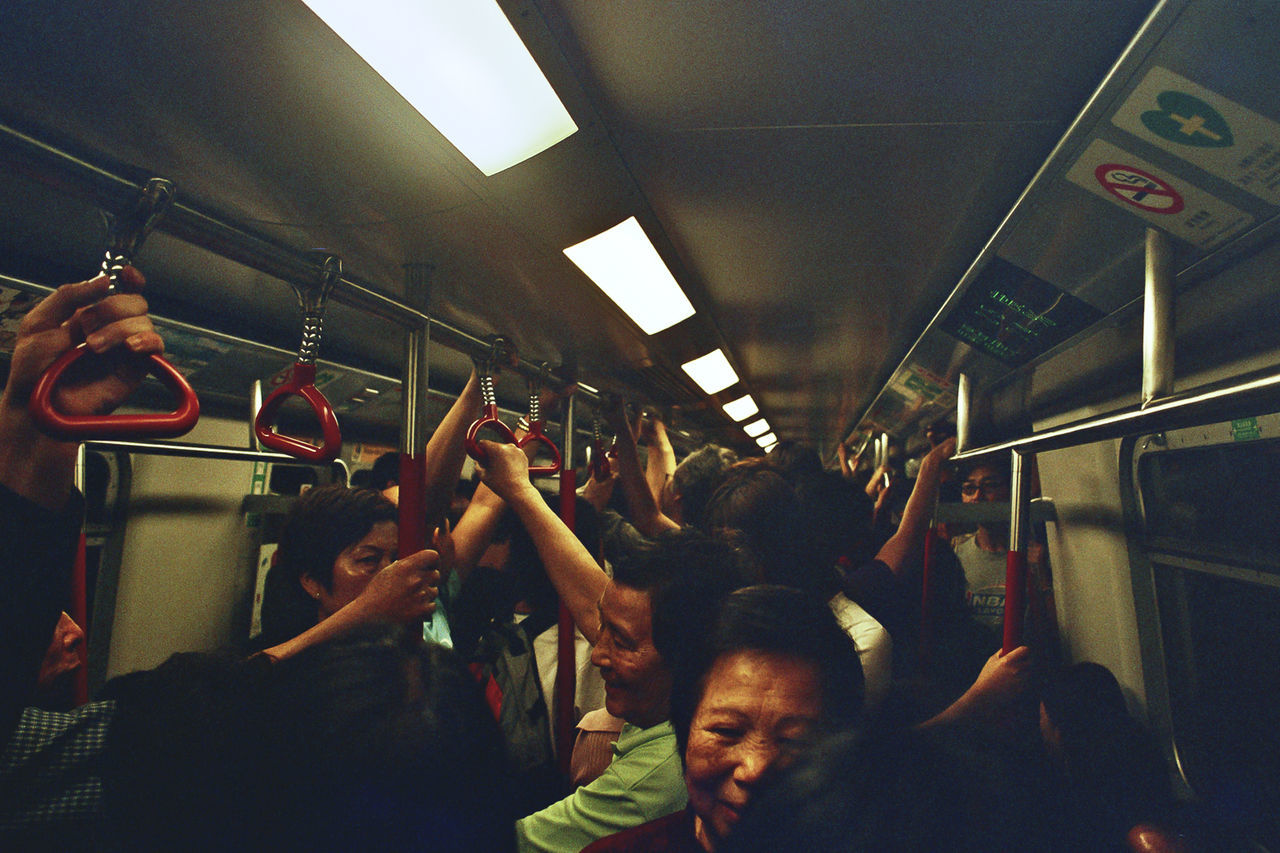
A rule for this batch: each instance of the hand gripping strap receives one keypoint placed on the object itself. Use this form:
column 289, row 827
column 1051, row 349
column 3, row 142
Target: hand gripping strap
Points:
column 537, row 436
column 81, row 427
column 488, row 420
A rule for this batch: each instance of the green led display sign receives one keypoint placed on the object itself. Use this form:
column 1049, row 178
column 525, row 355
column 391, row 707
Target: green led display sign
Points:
column 1013, row 316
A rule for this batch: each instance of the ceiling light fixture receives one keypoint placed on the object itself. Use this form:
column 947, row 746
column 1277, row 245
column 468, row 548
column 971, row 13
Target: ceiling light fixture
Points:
column 757, row 428
column 463, row 67
column 712, row 372
column 625, row 265
column 767, row 441
column 741, row 408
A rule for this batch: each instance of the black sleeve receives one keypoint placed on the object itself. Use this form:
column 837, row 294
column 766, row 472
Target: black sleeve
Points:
column 35, row 568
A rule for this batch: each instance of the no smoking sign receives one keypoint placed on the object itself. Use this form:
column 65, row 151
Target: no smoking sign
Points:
column 1151, row 193
column 1138, row 188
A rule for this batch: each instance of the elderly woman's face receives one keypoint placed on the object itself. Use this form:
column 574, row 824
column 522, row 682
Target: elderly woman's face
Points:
column 756, row 708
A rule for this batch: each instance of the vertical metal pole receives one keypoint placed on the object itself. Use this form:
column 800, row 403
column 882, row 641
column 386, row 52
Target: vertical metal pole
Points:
column 80, row 592
column 964, row 412
column 413, row 422
column 1158, row 319
column 566, row 647
column 1015, row 579
column 255, row 406
column 413, row 520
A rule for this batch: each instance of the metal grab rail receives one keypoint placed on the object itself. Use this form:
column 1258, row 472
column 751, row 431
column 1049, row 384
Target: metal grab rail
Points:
column 301, row 382
column 1240, row 399
column 240, row 244
column 127, row 237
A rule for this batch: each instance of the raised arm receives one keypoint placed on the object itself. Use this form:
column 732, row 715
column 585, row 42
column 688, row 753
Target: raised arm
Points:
column 1003, row 680
column 446, row 452
column 660, row 462
column 576, row 575
column 646, row 515
column 906, row 543
column 403, row 592
column 475, row 529
column 39, row 520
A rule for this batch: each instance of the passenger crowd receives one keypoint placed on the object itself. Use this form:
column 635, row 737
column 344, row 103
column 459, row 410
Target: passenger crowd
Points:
column 750, row 668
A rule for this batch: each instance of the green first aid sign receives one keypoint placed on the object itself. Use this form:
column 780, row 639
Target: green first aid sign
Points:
column 1188, row 120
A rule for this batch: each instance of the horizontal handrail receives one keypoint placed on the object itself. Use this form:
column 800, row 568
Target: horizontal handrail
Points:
column 239, row 244
column 1241, row 399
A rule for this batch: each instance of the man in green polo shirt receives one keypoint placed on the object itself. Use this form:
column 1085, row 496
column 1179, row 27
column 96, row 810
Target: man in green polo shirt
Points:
column 636, row 622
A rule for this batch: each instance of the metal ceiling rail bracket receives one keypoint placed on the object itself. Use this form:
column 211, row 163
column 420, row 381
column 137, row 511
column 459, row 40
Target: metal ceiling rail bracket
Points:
column 253, row 250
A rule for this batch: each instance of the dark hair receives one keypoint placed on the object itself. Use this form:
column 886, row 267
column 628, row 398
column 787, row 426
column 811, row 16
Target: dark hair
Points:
column 697, row 476
column 837, row 517
column 373, row 741
column 686, row 574
column 1114, row 773
column 764, row 508
column 323, row 523
column 525, row 566
column 385, row 471
column 899, row 790
column 796, row 461
column 776, row 620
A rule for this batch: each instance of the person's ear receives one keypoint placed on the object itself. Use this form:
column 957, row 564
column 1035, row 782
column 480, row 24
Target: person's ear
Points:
column 312, row 586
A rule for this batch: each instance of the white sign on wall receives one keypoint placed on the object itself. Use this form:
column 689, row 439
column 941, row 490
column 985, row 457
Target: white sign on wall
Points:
column 1179, row 207
column 1205, row 129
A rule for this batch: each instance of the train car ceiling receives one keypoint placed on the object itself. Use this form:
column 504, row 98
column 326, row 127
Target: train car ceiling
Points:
column 816, row 176
column 1183, row 136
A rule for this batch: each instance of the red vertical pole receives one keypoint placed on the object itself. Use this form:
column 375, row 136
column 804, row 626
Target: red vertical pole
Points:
column 1015, row 599
column 413, row 513
column 566, row 651
column 80, row 613
column 1015, row 574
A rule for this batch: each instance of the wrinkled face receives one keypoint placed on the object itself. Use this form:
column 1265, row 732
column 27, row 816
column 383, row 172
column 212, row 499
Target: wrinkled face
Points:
column 637, row 683
column 355, row 567
column 757, row 707
column 984, row 484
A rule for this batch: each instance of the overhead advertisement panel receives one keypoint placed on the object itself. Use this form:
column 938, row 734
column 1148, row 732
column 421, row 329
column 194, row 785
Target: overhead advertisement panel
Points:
column 1181, row 208
column 1205, row 129
column 1014, row 316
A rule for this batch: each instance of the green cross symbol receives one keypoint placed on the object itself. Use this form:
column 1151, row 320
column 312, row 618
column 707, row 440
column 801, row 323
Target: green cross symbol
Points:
column 1188, row 120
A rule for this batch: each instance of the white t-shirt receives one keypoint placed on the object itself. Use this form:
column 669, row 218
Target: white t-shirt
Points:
column 874, row 645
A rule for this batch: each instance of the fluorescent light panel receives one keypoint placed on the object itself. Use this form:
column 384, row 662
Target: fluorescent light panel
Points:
column 766, row 441
column 756, row 428
column 625, row 265
column 741, row 408
column 712, row 372
column 460, row 64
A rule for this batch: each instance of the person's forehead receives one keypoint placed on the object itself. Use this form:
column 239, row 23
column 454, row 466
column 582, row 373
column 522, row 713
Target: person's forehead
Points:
column 383, row 534
column 984, row 472
column 628, row 607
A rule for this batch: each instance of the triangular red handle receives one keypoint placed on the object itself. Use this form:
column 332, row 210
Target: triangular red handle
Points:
column 81, row 427
column 301, row 383
column 536, row 434
column 488, row 420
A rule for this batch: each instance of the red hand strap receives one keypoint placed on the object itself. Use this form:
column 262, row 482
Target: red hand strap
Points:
column 80, row 427
column 537, row 436
column 302, row 383
column 488, row 420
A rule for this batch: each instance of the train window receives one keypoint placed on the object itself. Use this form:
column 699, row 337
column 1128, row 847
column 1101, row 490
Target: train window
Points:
column 1213, row 544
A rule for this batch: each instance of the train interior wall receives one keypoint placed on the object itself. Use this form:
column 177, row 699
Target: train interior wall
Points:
column 187, row 568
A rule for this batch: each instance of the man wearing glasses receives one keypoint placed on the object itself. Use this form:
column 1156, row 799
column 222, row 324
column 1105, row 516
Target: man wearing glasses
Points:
column 983, row 553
